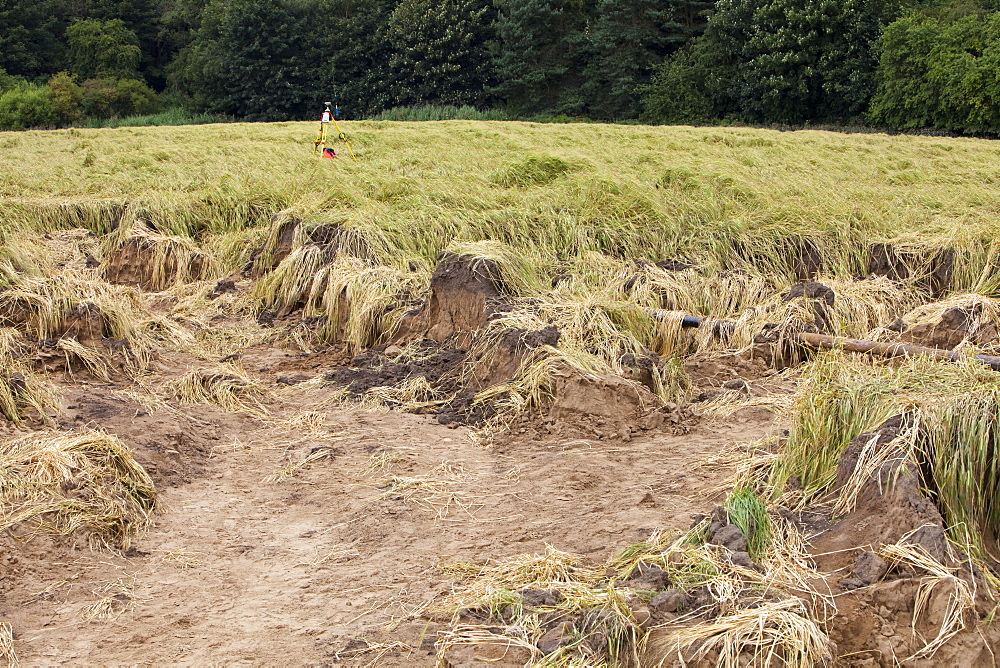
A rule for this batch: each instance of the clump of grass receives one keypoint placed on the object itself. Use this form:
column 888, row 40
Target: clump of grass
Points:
column 747, row 510
column 697, row 292
column 409, row 394
column 596, row 337
column 21, row 391
column 953, row 409
column 226, row 385
column 604, row 625
column 533, row 171
column 54, row 482
column 356, row 302
column 66, row 307
column 514, row 273
column 158, row 261
column 382, row 461
column 94, row 360
column 982, row 317
column 285, row 227
column 778, row 631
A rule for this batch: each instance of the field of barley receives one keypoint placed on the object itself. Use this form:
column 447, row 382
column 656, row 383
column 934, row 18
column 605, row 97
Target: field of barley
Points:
column 498, row 393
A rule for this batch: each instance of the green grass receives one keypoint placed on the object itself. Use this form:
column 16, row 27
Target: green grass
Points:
column 748, row 511
column 723, row 198
column 437, row 112
column 956, row 408
column 171, row 116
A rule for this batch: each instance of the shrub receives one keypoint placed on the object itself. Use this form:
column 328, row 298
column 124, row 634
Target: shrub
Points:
column 104, row 98
column 67, row 96
column 27, row 106
column 680, row 91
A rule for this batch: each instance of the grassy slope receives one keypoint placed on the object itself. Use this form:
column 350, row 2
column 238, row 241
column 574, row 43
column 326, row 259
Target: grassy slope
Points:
column 655, row 192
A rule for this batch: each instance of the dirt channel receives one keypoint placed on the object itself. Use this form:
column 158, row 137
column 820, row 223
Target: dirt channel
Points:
column 243, row 568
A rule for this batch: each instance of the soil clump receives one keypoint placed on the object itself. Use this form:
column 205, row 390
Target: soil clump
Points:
column 464, row 293
column 153, row 265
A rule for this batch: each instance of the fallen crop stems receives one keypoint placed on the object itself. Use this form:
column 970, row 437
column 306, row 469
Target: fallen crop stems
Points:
column 829, row 342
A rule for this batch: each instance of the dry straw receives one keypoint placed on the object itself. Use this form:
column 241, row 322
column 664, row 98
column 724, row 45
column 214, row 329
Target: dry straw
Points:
column 115, row 598
column 606, row 627
column 53, row 482
column 7, row 652
column 937, row 580
column 226, row 385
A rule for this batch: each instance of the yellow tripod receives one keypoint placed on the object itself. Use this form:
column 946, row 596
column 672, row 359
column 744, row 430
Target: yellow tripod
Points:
column 319, row 146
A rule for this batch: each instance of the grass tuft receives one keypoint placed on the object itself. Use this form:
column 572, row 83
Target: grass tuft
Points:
column 54, row 482
column 226, row 385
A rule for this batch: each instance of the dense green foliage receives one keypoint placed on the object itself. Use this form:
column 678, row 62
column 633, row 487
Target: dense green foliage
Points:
column 896, row 63
column 785, row 61
column 940, row 74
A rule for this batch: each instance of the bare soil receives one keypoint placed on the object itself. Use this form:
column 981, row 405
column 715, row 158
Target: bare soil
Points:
column 242, row 569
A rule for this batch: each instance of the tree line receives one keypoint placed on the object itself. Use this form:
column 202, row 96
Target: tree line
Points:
column 892, row 63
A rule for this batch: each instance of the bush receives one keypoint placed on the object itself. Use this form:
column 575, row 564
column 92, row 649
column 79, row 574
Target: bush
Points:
column 105, row 98
column 27, row 106
column 679, row 92
column 67, row 97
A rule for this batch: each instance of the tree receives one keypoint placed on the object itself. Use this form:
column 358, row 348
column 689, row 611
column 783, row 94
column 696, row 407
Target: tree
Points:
column 439, row 52
column 812, row 59
column 248, row 60
column 29, row 38
column 779, row 61
column 629, row 39
column 540, row 56
column 940, row 73
column 691, row 16
column 102, row 49
column 701, row 81
column 353, row 49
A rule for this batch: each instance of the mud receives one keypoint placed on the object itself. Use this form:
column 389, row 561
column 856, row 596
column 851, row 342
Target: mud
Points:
column 385, row 366
column 464, row 293
column 173, row 448
column 955, row 326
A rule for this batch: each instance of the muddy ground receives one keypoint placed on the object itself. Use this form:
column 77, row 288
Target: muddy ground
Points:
column 243, row 569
